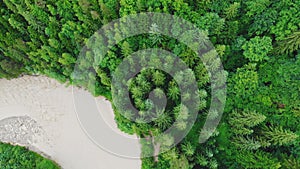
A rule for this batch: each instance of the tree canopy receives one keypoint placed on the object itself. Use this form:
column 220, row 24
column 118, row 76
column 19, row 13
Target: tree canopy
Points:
column 258, row 42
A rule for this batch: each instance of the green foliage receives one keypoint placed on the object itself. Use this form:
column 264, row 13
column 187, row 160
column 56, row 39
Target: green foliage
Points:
column 245, row 81
column 233, row 10
column 258, row 159
column 291, row 163
column 257, row 41
column 257, row 48
column 201, row 160
column 15, row 157
column 182, row 162
column 279, row 136
column 246, row 143
column 10, row 69
column 188, row 149
column 290, row 43
column 256, row 7
column 212, row 23
column 287, row 21
column 246, row 118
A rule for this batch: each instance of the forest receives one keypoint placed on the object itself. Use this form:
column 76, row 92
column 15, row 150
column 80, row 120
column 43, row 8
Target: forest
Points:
column 258, row 42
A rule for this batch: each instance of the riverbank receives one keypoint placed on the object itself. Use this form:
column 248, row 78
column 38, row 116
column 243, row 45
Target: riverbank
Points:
column 38, row 112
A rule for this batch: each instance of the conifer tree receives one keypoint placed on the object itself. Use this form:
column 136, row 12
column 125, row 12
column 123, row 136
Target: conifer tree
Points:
column 242, row 122
column 246, row 143
column 256, row 159
column 246, row 118
column 291, row 163
column 279, row 136
column 188, row 149
column 289, row 44
column 232, row 10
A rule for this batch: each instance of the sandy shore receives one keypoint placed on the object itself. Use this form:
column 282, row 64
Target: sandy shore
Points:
column 38, row 112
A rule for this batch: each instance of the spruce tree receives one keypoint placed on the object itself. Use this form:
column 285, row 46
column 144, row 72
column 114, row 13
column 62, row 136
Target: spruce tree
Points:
column 279, row 136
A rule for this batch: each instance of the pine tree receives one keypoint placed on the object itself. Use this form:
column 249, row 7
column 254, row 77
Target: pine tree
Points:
column 246, row 118
column 188, row 149
column 232, row 10
column 289, row 44
column 171, row 154
column 181, row 124
column 201, row 160
column 126, row 49
column 213, row 164
column 163, row 121
column 279, row 136
column 173, row 91
column 241, row 130
column 246, row 143
column 181, row 163
column 257, row 159
column 291, row 163
column 158, row 92
column 242, row 122
column 158, row 78
column 105, row 80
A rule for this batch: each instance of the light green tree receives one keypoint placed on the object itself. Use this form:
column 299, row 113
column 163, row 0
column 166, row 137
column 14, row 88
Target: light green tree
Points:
column 173, row 91
column 126, row 49
column 246, row 143
column 201, row 160
column 257, row 48
column 279, row 136
column 246, row 118
column 163, row 121
column 233, row 10
column 188, row 149
column 289, row 44
column 181, row 163
column 158, row 78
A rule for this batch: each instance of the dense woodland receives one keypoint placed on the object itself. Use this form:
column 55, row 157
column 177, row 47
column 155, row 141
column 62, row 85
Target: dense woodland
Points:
column 258, row 42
